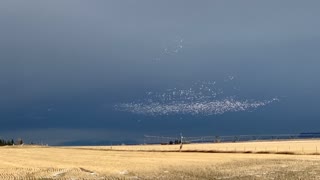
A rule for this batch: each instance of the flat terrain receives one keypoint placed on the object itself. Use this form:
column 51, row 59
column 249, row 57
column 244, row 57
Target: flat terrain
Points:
column 294, row 146
column 139, row 162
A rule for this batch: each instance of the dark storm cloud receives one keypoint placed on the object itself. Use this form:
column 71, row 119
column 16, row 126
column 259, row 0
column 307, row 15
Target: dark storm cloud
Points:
column 65, row 64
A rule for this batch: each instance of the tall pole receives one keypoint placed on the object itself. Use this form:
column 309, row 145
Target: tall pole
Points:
column 181, row 141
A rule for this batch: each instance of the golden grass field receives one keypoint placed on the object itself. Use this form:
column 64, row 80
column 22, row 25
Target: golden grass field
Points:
column 249, row 160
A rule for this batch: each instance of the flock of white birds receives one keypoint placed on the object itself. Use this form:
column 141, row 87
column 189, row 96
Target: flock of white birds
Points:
column 203, row 98
column 170, row 49
column 193, row 108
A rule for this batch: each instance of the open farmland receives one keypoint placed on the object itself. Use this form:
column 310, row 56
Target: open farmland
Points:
column 285, row 146
column 134, row 162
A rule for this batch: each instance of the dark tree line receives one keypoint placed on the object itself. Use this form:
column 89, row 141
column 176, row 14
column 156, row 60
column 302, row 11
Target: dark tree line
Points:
column 11, row 142
column 4, row 142
column 175, row 142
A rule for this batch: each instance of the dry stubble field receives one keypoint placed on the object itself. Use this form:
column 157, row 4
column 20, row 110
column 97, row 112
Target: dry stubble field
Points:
column 250, row 160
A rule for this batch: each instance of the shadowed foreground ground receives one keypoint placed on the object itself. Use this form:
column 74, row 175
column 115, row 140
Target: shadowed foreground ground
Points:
column 101, row 163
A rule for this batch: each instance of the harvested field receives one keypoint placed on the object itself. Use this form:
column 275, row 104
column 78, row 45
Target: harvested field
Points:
column 306, row 147
column 103, row 163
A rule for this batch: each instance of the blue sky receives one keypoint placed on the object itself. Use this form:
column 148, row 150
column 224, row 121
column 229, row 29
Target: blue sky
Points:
column 69, row 66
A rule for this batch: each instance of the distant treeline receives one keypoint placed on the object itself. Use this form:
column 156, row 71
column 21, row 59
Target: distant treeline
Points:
column 4, row 142
column 11, row 142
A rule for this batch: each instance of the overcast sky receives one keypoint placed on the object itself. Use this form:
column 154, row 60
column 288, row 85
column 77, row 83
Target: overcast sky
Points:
column 66, row 65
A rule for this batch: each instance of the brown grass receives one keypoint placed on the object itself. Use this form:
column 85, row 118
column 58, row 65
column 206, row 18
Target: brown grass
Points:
column 196, row 162
column 280, row 147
